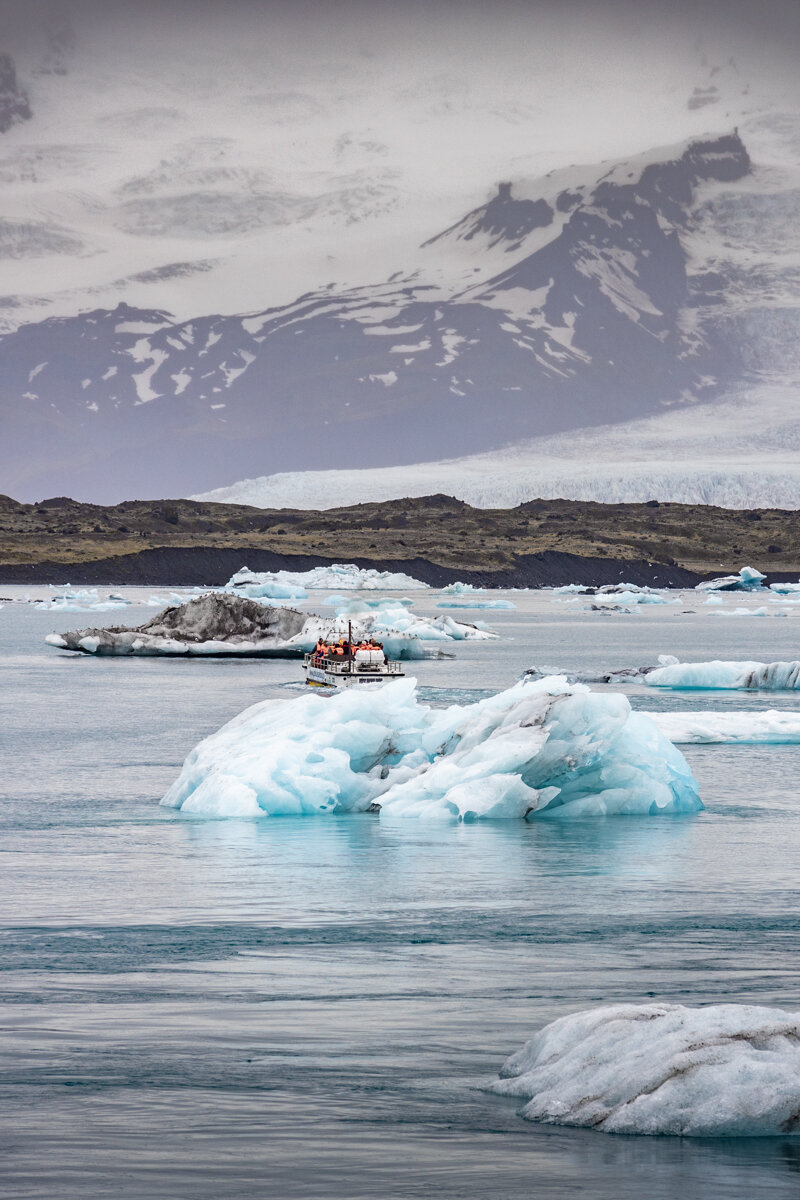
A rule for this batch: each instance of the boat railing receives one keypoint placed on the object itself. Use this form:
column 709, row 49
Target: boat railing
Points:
column 349, row 666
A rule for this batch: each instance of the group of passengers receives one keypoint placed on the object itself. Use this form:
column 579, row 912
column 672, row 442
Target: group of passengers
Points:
column 343, row 649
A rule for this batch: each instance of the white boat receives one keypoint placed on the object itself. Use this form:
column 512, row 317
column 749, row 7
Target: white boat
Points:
column 362, row 666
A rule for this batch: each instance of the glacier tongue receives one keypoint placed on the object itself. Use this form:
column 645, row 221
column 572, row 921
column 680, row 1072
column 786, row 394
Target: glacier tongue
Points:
column 728, row 1070
column 544, row 749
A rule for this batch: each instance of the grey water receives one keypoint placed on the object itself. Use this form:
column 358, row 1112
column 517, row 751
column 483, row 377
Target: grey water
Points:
column 307, row 1007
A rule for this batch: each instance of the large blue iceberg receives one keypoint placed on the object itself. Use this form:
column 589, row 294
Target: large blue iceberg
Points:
column 539, row 749
column 728, row 1070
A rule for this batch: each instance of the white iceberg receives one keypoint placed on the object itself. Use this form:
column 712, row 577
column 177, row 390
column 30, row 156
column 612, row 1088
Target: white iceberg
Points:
column 543, row 749
column 460, row 589
column 748, row 580
column 295, row 585
column 569, row 588
column 627, row 597
column 747, row 676
column 728, row 1070
column 392, row 622
column 784, row 589
column 766, row 728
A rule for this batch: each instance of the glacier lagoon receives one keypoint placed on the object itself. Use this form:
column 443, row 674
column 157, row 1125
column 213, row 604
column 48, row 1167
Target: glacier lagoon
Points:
column 302, row 1007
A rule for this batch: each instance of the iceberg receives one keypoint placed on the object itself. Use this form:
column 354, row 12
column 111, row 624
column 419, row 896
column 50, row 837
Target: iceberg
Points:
column 295, row 585
column 727, row 1070
column 461, row 589
column 748, row 580
column 784, row 589
column 538, row 750
column 765, row 728
column 670, row 673
column 747, row 676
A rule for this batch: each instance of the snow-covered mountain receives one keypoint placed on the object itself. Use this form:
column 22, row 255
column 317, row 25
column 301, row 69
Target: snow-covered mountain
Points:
column 578, row 305
column 236, row 247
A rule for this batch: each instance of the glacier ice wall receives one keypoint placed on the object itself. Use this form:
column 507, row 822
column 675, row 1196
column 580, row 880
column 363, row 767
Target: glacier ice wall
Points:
column 539, row 749
column 728, row 1070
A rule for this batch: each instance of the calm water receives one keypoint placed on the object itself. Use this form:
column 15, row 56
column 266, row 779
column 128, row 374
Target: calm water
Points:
column 306, row 1007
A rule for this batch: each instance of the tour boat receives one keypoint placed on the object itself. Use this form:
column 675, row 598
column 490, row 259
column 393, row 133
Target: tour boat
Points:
column 361, row 666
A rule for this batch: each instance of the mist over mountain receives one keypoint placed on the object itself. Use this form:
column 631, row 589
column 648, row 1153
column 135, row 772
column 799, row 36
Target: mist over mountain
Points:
column 283, row 239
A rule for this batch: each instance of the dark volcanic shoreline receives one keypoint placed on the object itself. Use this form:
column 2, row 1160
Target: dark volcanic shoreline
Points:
column 197, row 567
column 434, row 538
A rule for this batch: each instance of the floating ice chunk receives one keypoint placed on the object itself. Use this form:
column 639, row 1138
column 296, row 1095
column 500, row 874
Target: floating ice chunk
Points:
column 344, row 576
column 55, row 639
column 460, row 589
column 754, row 676
column 748, row 580
column 728, row 1070
column 500, row 602
column 714, row 600
column 569, row 588
column 628, row 596
column 768, row 728
column 784, row 589
column 541, row 749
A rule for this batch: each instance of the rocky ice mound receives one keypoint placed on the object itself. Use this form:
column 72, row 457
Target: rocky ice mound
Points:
column 748, row 580
column 728, row 1070
column 543, row 749
column 212, row 624
column 295, row 585
column 763, row 728
column 747, row 676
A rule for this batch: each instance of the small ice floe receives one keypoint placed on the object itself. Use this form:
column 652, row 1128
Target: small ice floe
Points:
column 727, row 1070
column 537, row 750
column 785, row 589
column 500, row 602
column 747, row 612
column 764, row 728
column 748, row 580
column 295, row 585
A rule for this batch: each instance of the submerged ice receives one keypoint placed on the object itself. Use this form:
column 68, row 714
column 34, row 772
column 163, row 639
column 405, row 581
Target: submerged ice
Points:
column 543, row 749
column 728, row 1070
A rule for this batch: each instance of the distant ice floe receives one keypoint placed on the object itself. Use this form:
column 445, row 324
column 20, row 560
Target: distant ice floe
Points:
column 84, row 600
column 748, row 580
column 295, row 585
column 500, row 602
column 622, row 596
column 785, row 589
column 761, row 728
column 727, row 1070
column 538, row 750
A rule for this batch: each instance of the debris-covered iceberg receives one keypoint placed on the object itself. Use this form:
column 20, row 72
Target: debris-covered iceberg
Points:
column 748, row 580
column 765, row 728
column 728, row 1070
column 543, row 749
column 295, row 585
